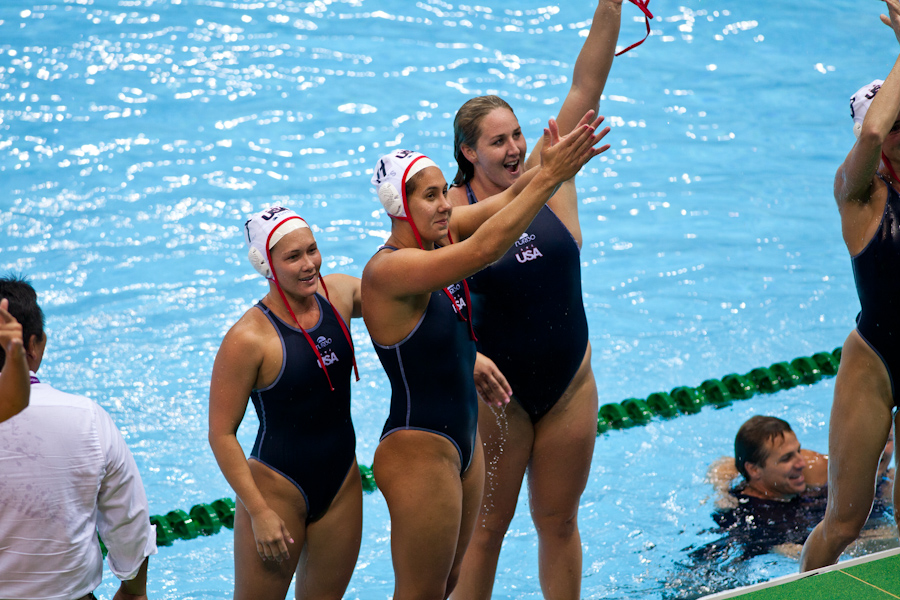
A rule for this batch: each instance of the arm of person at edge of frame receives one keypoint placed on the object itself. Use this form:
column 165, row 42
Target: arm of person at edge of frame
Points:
column 234, row 375
column 468, row 218
column 134, row 589
column 855, row 180
column 591, row 70
column 344, row 292
column 15, row 383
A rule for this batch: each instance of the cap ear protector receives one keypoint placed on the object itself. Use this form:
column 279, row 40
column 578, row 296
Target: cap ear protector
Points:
column 391, row 199
column 391, row 174
column 259, row 262
column 860, row 102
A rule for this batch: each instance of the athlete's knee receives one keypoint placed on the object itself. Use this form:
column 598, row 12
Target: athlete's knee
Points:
column 562, row 525
column 841, row 530
column 489, row 536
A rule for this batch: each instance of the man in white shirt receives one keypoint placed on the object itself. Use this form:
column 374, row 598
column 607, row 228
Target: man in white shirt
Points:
column 65, row 473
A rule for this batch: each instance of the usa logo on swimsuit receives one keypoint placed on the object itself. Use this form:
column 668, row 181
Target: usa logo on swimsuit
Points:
column 329, row 357
column 529, row 253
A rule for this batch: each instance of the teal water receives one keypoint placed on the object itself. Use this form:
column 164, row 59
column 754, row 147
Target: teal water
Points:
column 136, row 135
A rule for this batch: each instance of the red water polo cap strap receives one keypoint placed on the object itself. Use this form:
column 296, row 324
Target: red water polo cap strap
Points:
column 309, row 339
column 468, row 298
column 890, row 168
column 643, row 5
column 408, row 218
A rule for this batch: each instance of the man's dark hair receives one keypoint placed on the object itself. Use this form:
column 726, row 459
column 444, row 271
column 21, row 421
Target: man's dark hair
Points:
column 751, row 438
column 23, row 306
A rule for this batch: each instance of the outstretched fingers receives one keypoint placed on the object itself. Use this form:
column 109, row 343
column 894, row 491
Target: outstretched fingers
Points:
column 892, row 19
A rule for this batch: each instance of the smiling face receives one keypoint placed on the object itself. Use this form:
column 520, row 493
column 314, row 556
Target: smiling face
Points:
column 780, row 474
column 426, row 196
column 296, row 262
column 500, row 152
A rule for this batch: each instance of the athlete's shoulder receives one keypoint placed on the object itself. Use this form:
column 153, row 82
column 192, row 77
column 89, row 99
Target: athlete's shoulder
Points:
column 252, row 328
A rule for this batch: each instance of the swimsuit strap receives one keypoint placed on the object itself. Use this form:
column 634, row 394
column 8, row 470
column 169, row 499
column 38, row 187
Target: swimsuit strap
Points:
column 643, row 5
column 340, row 321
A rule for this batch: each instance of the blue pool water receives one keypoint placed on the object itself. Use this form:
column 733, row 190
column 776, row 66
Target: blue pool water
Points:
column 136, row 135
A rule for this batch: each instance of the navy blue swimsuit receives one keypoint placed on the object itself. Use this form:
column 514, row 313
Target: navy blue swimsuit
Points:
column 529, row 315
column 877, row 273
column 305, row 431
column 430, row 371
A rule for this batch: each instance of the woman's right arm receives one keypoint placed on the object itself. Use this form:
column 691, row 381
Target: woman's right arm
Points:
column 234, row 374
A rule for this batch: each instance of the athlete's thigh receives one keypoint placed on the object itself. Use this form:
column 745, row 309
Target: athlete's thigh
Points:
column 332, row 544
column 563, row 448
column 859, row 427
column 472, row 489
column 418, row 474
column 254, row 577
column 507, row 435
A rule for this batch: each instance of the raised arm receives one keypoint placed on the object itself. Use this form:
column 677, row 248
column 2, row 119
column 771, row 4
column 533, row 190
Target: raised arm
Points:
column 855, row 179
column 15, row 384
column 591, row 70
column 469, row 217
column 412, row 271
column 235, row 371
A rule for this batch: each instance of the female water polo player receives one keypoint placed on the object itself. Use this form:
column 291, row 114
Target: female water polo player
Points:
column 867, row 389
column 300, row 495
column 533, row 336
column 429, row 464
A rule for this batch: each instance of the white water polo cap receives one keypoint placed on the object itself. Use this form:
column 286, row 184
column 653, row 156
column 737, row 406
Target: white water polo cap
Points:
column 859, row 103
column 265, row 229
column 391, row 174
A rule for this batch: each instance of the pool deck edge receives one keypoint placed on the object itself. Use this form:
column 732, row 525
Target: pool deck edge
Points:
column 797, row 576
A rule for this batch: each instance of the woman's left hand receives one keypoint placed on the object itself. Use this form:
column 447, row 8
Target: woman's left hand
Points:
column 493, row 389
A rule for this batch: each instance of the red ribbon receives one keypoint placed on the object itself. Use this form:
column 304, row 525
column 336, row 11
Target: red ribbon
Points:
column 641, row 4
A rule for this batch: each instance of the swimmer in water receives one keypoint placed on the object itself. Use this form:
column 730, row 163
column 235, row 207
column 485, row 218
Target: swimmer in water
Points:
column 533, row 336
column 867, row 389
column 299, row 495
column 15, row 385
column 429, row 464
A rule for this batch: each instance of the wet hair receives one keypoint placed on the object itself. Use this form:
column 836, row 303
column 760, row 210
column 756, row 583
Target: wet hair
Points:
column 467, row 130
column 751, row 438
column 23, row 306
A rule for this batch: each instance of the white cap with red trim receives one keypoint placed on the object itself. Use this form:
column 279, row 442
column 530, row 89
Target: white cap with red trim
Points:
column 264, row 229
column 391, row 174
